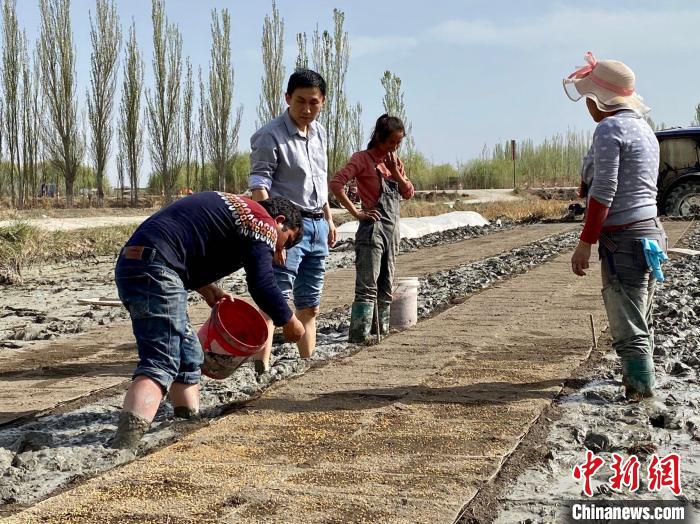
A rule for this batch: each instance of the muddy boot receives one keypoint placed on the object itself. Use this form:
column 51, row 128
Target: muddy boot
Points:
column 638, row 377
column 384, row 318
column 360, row 322
column 384, row 314
column 187, row 413
column 130, row 429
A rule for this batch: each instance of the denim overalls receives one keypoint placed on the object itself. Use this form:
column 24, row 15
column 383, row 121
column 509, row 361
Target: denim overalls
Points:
column 376, row 245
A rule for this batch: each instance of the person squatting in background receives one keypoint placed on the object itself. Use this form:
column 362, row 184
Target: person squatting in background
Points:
column 619, row 179
column 381, row 183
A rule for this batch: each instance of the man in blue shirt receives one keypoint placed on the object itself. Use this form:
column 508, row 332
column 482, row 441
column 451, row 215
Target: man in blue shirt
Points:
column 288, row 159
column 189, row 245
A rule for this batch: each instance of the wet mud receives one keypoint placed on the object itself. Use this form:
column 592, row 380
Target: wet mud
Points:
column 597, row 417
column 48, row 453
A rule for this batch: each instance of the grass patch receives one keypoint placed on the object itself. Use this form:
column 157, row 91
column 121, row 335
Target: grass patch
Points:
column 23, row 245
column 19, row 243
column 526, row 210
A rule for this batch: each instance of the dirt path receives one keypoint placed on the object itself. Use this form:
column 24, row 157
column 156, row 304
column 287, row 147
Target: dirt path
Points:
column 50, row 373
column 73, row 223
column 405, row 431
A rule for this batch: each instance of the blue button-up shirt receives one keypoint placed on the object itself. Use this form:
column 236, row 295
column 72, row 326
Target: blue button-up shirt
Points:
column 290, row 165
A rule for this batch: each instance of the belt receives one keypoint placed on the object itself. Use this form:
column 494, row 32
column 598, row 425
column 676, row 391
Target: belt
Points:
column 315, row 215
column 148, row 254
column 622, row 227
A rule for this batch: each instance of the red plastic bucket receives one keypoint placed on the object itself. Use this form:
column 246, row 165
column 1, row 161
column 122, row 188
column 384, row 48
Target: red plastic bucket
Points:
column 234, row 329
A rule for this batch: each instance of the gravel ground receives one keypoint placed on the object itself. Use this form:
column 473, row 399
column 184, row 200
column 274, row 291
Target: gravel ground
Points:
column 597, row 416
column 37, row 458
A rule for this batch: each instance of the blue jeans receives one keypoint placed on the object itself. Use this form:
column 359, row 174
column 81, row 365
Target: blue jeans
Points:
column 628, row 293
column 168, row 347
column 302, row 275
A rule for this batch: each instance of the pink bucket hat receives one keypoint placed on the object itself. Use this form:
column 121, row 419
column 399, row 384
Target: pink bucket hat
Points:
column 609, row 83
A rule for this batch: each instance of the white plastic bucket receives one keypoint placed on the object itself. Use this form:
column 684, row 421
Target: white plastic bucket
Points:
column 404, row 307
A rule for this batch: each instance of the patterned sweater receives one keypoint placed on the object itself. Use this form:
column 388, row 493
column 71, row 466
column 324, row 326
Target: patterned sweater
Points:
column 626, row 166
column 209, row 235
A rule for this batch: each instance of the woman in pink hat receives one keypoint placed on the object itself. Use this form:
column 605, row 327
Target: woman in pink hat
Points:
column 620, row 176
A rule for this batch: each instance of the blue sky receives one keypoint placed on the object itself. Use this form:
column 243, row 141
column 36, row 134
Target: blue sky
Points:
column 474, row 72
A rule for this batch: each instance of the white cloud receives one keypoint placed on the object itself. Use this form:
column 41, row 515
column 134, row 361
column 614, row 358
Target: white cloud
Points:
column 622, row 29
column 370, row 46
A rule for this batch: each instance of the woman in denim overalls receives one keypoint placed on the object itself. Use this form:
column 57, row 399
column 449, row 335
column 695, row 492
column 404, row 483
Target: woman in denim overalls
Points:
column 381, row 183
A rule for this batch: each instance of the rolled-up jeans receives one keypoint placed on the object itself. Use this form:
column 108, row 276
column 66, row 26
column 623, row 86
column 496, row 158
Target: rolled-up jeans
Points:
column 628, row 293
column 153, row 293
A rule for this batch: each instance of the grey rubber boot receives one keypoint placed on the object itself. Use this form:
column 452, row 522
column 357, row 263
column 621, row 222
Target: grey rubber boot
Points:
column 130, row 429
column 384, row 318
column 360, row 322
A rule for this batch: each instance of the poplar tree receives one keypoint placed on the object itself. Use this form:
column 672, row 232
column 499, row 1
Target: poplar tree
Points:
column 331, row 53
column 202, row 134
column 222, row 129
column 30, row 127
column 62, row 139
column 187, row 122
column 355, row 126
column 302, row 55
column 38, row 113
column 130, row 137
column 105, row 37
column 271, row 93
column 394, row 106
column 11, row 52
column 164, row 102
column 120, row 165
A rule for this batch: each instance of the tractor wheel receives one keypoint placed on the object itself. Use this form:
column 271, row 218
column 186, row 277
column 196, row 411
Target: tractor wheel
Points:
column 683, row 200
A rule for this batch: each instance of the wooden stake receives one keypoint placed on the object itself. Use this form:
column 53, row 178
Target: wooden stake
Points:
column 595, row 340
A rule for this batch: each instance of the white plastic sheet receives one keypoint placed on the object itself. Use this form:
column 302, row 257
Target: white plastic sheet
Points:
column 418, row 227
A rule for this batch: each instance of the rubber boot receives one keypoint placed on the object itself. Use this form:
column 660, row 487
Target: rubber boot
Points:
column 384, row 314
column 187, row 413
column 638, row 377
column 130, row 429
column 360, row 322
column 384, row 319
